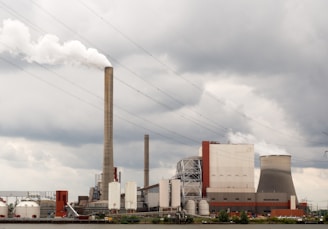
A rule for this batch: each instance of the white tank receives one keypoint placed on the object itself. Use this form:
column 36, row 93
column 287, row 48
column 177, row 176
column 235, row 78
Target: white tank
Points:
column 191, row 207
column 114, row 196
column 131, row 195
column 3, row 210
column 164, row 189
column 175, row 193
column 203, row 208
column 27, row 209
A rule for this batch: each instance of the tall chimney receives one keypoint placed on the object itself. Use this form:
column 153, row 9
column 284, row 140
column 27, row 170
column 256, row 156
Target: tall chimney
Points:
column 146, row 162
column 108, row 162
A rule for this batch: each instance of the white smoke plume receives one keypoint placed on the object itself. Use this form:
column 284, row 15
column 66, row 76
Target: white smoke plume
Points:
column 260, row 147
column 15, row 38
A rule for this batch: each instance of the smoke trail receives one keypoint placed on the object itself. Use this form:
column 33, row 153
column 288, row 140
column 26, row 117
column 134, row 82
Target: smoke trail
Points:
column 15, row 38
column 260, row 147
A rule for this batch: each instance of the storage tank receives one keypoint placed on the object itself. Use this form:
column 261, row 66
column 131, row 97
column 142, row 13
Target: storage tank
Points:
column 3, row 210
column 175, row 193
column 190, row 207
column 164, row 193
column 27, row 209
column 203, row 208
column 114, row 196
column 276, row 175
column 131, row 195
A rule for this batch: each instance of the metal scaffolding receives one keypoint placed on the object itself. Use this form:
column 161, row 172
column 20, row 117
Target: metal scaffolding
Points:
column 189, row 171
column 35, row 195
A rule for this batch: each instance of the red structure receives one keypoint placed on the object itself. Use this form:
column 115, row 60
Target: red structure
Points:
column 228, row 181
column 206, row 166
column 287, row 212
column 61, row 201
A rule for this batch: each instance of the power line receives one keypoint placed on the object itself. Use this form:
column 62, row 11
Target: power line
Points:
column 156, row 59
column 166, row 66
column 13, row 12
column 49, row 83
column 100, row 108
column 197, row 122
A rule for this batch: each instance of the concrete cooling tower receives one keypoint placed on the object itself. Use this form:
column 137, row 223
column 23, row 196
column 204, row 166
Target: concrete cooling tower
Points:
column 276, row 175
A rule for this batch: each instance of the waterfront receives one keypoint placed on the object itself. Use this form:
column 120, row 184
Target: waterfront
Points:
column 163, row 226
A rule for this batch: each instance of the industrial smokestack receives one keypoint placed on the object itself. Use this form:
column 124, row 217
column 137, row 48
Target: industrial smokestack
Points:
column 276, row 175
column 108, row 162
column 146, row 162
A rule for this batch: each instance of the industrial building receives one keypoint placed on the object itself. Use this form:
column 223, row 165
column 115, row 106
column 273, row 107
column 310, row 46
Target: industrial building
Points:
column 228, row 176
column 3, row 209
column 221, row 177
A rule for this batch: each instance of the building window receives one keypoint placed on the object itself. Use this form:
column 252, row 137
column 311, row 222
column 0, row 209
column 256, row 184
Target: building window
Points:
column 249, row 198
column 271, row 199
column 225, row 198
column 237, row 198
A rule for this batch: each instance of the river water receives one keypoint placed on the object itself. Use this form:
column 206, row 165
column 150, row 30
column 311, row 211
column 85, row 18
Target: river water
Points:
column 164, row 226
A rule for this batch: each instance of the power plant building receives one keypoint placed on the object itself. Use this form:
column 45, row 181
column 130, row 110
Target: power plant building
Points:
column 227, row 179
column 222, row 175
column 228, row 168
column 228, row 176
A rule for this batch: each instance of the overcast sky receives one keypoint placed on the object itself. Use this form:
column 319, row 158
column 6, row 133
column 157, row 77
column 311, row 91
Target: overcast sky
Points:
column 240, row 71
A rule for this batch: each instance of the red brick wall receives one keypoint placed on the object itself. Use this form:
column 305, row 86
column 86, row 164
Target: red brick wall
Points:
column 206, row 166
column 287, row 212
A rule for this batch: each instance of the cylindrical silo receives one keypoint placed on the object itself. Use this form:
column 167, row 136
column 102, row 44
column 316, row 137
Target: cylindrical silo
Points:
column 114, row 196
column 131, row 195
column 276, row 175
column 190, row 207
column 3, row 210
column 203, row 208
column 175, row 193
column 164, row 198
column 27, row 209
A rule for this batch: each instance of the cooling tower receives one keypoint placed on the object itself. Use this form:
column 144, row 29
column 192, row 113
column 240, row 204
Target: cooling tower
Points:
column 276, row 175
column 108, row 160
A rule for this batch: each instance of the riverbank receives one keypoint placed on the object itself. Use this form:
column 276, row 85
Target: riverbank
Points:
column 159, row 220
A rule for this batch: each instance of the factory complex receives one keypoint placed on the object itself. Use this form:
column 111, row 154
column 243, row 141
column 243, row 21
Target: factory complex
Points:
column 220, row 178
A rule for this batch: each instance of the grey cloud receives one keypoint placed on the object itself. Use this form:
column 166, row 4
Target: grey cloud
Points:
column 277, row 48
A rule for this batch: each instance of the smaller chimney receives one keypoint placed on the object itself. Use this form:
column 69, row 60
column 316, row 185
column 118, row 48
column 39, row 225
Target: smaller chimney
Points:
column 146, row 160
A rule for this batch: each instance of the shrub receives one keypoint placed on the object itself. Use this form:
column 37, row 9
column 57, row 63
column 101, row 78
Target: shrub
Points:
column 244, row 218
column 156, row 220
column 223, row 216
column 325, row 218
column 235, row 219
column 129, row 219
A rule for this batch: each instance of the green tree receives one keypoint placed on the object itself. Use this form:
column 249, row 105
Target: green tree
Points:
column 223, row 216
column 244, row 218
column 325, row 218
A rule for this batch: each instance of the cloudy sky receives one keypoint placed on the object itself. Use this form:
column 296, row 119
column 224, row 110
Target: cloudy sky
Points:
column 239, row 71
